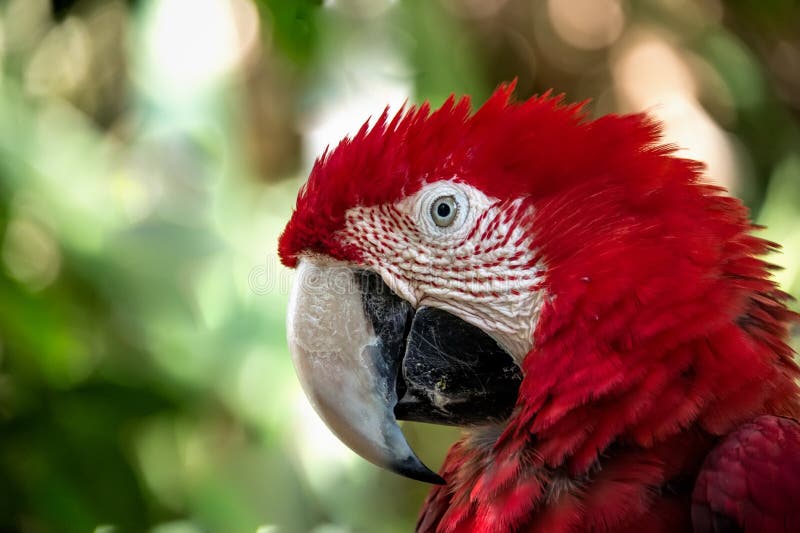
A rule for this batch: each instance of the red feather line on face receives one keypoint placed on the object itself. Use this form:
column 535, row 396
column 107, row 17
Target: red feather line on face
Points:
column 661, row 329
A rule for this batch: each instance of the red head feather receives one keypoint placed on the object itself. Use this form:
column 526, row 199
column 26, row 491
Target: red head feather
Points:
column 505, row 149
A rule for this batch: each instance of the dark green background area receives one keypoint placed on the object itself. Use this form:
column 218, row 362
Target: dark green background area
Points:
column 149, row 160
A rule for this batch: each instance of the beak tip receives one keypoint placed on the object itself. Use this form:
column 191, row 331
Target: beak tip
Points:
column 412, row 468
column 438, row 480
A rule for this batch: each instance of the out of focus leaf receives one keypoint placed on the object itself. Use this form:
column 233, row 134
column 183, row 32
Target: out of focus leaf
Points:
column 294, row 26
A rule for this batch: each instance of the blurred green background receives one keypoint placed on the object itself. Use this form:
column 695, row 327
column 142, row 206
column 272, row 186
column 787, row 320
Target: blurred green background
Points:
column 150, row 152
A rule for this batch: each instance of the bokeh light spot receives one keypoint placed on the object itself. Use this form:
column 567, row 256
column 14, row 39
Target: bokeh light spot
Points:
column 195, row 42
column 587, row 24
column 651, row 76
column 61, row 62
column 30, row 253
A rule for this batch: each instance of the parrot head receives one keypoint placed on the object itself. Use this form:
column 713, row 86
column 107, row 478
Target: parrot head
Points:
column 515, row 262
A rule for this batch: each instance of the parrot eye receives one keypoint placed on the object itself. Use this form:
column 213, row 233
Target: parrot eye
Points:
column 444, row 210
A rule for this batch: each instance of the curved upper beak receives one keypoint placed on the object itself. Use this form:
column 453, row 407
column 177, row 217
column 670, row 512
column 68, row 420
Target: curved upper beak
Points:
column 365, row 358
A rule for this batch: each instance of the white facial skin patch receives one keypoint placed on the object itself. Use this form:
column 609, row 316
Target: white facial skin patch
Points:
column 452, row 247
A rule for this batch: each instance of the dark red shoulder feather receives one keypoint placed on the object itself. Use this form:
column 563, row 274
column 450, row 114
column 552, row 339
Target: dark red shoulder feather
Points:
column 751, row 480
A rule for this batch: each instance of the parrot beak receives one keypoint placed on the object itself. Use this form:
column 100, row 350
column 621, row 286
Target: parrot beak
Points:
column 366, row 358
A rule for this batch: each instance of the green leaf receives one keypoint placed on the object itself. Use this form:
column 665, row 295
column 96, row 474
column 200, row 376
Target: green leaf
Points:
column 294, row 26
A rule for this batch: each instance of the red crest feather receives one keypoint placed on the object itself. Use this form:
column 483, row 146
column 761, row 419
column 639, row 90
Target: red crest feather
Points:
column 505, row 148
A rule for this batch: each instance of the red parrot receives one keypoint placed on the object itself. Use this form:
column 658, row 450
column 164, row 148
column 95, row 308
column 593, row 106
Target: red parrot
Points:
column 596, row 317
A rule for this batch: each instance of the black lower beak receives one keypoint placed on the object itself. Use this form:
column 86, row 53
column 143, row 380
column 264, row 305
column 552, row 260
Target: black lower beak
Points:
column 454, row 374
column 448, row 371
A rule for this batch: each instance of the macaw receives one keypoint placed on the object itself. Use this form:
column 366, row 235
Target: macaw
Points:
column 597, row 317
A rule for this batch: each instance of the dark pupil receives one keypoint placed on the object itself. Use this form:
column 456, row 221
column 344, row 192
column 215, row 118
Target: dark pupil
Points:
column 443, row 210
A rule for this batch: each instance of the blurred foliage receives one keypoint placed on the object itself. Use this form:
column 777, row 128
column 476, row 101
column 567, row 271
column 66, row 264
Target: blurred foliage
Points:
column 151, row 151
column 293, row 25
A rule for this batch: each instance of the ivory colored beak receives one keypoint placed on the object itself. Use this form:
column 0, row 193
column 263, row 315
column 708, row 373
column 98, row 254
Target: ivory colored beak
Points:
column 349, row 370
